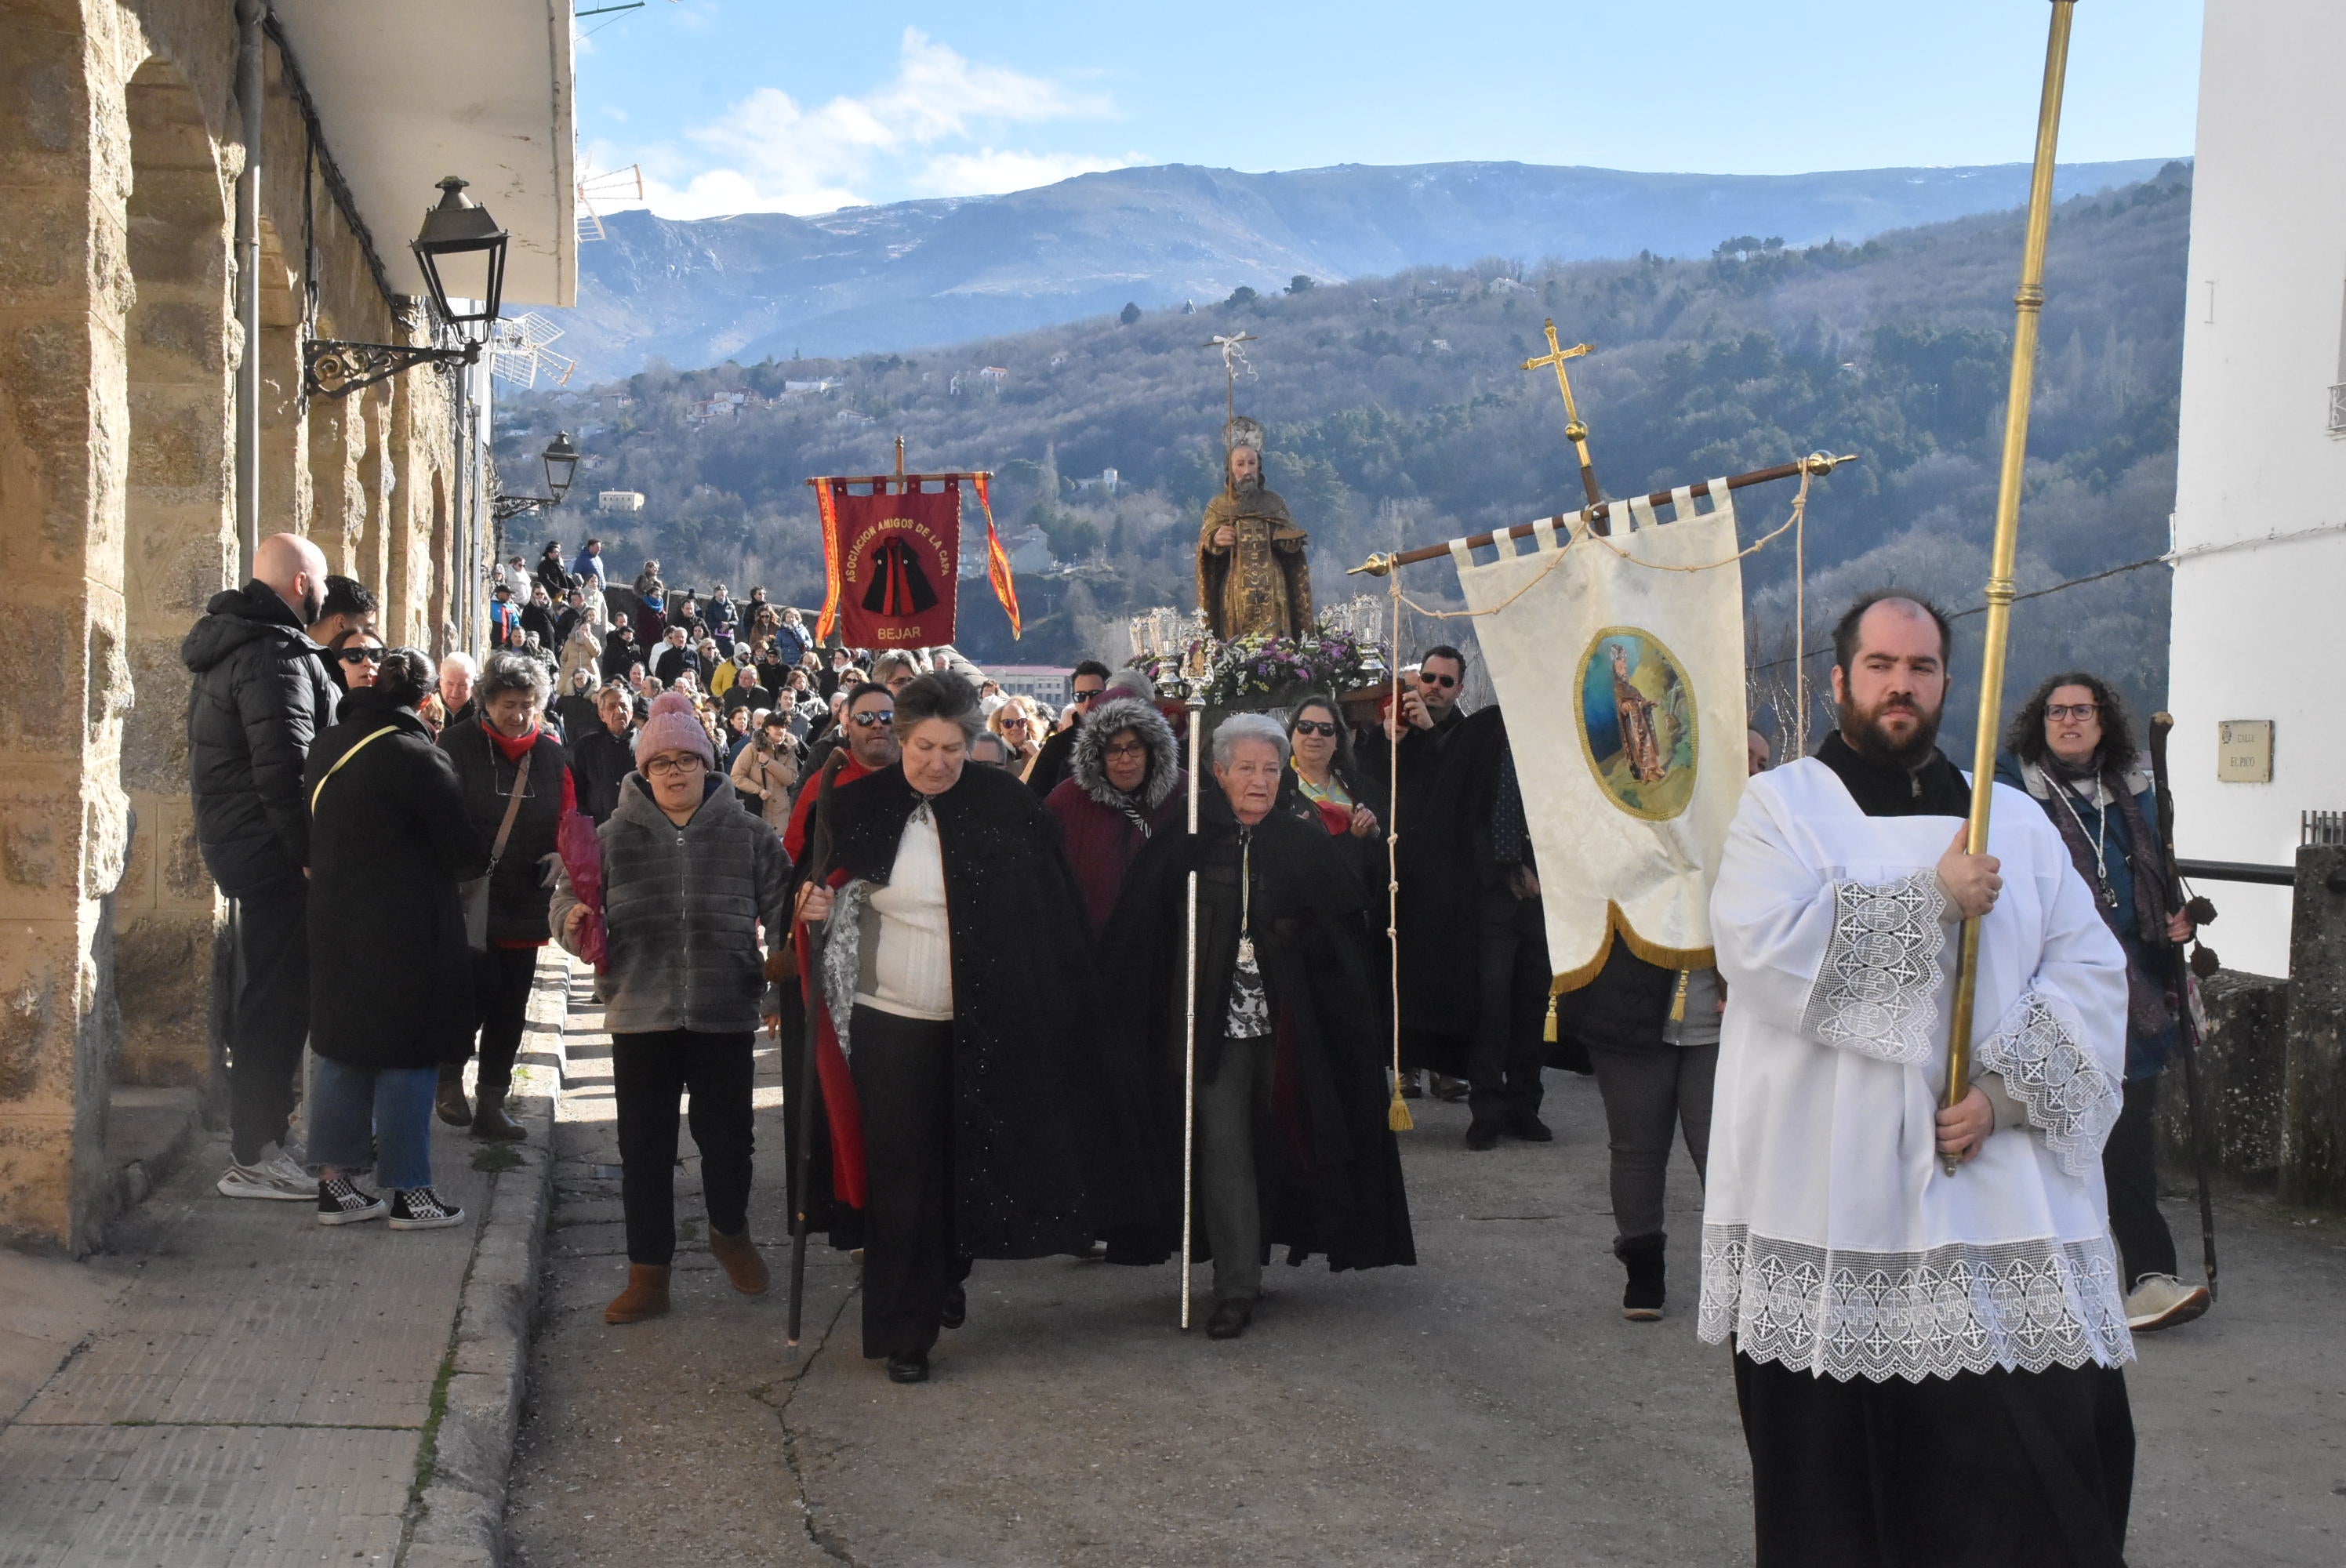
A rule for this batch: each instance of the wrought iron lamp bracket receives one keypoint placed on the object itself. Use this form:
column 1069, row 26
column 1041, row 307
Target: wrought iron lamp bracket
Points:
column 331, row 367
column 505, row 508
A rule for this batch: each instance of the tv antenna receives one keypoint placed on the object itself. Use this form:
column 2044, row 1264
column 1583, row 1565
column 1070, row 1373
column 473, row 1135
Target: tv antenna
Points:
column 518, row 352
column 612, row 188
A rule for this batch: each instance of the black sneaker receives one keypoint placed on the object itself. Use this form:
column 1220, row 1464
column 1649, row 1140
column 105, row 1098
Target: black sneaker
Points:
column 420, row 1209
column 341, row 1202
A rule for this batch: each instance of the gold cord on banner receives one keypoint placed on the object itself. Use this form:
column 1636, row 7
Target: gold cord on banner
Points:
column 1580, row 530
column 1397, row 1115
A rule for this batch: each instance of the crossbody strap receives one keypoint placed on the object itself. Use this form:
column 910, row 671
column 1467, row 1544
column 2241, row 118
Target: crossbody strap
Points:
column 513, row 801
column 345, row 757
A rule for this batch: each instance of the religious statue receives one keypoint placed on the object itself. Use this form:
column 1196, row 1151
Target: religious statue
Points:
column 1252, row 574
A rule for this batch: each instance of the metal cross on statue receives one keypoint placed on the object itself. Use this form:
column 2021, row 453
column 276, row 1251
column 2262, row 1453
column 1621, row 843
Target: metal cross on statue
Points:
column 1575, row 431
column 1233, row 357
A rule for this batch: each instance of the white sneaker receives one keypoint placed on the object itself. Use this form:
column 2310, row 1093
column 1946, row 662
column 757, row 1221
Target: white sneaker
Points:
column 2162, row 1302
column 272, row 1176
column 286, row 1164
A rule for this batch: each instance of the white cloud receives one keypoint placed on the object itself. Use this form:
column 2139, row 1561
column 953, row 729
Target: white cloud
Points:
column 986, row 172
column 769, row 153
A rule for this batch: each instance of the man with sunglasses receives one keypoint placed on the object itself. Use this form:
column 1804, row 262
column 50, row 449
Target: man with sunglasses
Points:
column 1436, row 1006
column 868, row 746
column 1086, row 683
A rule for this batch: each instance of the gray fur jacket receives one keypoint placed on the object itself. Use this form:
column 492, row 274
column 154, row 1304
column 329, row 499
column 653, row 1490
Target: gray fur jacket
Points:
column 681, row 907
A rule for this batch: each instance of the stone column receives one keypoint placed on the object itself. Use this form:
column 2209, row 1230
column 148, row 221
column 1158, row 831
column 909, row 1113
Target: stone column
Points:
column 2313, row 1131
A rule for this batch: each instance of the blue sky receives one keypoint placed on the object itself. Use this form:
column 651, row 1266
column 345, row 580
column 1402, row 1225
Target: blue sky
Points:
column 738, row 106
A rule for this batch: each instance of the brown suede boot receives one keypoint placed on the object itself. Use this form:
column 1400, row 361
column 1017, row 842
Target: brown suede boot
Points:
column 490, row 1121
column 449, row 1098
column 644, row 1296
column 738, row 1253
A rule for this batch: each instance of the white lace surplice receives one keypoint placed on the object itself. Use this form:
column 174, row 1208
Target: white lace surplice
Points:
column 1832, row 1241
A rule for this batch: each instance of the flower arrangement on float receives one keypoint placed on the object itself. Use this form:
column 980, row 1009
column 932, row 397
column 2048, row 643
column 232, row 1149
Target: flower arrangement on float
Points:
column 1263, row 671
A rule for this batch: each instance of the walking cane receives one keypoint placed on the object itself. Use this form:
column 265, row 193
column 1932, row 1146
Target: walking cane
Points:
column 1194, row 697
column 802, row 1110
column 2181, row 974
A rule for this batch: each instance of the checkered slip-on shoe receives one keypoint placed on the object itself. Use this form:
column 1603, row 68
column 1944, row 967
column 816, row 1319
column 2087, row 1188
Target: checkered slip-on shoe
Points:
column 420, row 1209
column 341, row 1202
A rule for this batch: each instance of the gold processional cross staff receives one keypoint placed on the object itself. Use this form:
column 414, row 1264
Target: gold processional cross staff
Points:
column 1574, row 431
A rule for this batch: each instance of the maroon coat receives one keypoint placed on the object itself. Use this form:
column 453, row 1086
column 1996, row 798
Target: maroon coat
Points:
column 1101, row 836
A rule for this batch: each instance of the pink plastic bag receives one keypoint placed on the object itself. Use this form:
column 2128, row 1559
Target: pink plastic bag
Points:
column 582, row 857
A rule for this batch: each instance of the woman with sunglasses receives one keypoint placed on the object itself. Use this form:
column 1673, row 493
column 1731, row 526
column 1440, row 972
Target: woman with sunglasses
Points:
column 391, row 979
column 2071, row 748
column 1323, row 782
column 1021, row 731
column 688, row 879
column 357, row 656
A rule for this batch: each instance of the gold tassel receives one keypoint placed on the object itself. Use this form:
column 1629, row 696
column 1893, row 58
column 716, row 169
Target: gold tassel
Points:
column 1397, row 1115
column 1677, row 997
column 1548, row 1033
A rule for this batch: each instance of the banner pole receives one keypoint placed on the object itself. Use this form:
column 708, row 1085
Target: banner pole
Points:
column 2029, row 304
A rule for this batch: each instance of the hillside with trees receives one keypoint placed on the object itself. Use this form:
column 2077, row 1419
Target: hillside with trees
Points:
column 1396, row 415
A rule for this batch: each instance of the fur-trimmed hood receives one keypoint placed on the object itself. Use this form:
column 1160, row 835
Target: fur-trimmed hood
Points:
column 1088, row 765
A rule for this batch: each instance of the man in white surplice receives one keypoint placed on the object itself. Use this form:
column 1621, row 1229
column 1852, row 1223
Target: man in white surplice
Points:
column 1926, row 1364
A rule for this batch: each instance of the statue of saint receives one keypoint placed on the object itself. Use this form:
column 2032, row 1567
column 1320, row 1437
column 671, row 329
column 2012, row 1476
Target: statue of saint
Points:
column 1253, row 575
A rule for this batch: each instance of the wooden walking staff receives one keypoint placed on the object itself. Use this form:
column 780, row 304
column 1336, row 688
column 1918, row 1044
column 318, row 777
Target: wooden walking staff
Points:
column 2029, row 304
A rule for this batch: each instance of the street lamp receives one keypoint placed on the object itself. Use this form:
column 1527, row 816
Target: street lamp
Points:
column 462, row 252
column 561, row 461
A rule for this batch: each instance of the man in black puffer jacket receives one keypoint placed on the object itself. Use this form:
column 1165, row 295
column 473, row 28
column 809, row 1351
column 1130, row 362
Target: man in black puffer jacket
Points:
column 261, row 693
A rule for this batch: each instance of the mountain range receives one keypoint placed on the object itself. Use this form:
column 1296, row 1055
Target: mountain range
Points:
column 915, row 273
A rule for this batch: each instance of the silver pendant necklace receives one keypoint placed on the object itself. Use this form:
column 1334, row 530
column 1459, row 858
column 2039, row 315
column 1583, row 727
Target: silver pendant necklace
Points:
column 1246, row 899
column 2106, row 895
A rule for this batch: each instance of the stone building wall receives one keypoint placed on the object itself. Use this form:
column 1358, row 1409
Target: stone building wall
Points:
column 118, row 154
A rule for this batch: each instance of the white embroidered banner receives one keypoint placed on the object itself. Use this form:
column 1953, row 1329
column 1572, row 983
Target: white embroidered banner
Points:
column 1623, row 687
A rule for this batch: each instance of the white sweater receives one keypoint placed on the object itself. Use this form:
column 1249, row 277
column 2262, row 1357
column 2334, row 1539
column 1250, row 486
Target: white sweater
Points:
column 912, row 970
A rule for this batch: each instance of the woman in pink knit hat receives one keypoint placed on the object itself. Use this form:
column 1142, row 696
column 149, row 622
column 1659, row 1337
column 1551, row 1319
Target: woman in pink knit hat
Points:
column 688, row 878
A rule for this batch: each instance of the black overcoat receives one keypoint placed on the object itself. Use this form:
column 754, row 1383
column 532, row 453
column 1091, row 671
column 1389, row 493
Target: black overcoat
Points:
column 520, row 889
column 1327, row 1168
column 390, row 975
column 1042, row 1142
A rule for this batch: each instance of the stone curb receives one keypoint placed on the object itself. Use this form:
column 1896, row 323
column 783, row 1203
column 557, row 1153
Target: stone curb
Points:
column 464, row 1516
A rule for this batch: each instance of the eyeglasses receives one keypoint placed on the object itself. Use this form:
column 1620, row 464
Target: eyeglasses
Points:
column 682, row 762
column 1014, row 724
column 1315, row 727
column 1090, row 695
column 361, row 655
column 866, row 720
column 1133, row 749
column 1428, row 677
column 2058, row 711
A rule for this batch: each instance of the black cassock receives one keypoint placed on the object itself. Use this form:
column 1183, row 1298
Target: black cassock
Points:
column 1328, row 1170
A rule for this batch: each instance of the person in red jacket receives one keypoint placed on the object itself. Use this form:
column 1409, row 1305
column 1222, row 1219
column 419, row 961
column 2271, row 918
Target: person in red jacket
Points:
column 1124, row 783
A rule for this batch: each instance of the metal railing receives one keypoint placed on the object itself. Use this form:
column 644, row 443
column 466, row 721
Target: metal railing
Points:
column 2321, row 828
column 2338, row 409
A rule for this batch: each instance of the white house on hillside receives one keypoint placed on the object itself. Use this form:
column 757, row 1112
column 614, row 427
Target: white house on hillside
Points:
column 2259, row 621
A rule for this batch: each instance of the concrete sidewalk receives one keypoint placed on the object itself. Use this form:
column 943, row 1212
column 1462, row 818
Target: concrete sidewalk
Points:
column 231, row 1383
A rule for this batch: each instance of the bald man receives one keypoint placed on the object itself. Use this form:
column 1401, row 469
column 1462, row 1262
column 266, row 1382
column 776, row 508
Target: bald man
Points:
column 262, row 692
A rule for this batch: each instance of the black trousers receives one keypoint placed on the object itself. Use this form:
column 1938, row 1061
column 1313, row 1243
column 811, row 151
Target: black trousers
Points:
column 1503, row 1065
column 904, row 1083
column 647, row 1073
column 270, row 1019
column 501, row 982
column 1981, row 1470
column 2130, row 1170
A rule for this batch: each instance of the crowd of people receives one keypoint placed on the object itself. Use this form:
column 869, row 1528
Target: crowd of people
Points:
column 873, row 856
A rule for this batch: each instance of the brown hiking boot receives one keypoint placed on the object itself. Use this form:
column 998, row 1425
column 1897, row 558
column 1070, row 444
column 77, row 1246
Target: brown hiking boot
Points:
column 490, row 1121
column 449, row 1098
column 644, row 1296
column 739, row 1255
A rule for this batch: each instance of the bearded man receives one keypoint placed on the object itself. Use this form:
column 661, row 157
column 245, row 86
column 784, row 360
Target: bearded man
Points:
column 1252, row 574
column 1927, row 1364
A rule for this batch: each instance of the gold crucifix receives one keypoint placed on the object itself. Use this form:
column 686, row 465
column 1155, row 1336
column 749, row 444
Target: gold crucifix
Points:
column 1575, row 431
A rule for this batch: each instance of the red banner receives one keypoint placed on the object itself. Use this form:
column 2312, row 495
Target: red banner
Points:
column 998, row 562
column 893, row 560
